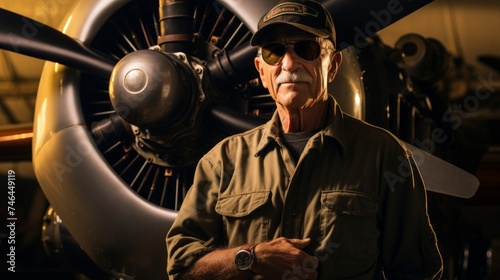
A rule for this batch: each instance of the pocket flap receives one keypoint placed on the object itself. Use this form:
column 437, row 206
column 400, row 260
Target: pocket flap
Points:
column 240, row 205
column 349, row 203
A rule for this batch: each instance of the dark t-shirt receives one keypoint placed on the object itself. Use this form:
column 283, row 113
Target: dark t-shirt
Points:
column 296, row 141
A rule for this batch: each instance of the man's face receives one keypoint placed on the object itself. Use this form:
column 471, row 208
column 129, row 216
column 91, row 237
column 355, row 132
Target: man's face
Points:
column 296, row 83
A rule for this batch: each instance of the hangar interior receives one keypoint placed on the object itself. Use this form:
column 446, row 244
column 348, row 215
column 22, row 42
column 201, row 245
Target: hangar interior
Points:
column 465, row 32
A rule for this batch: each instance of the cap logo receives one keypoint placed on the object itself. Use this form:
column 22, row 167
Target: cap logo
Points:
column 290, row 9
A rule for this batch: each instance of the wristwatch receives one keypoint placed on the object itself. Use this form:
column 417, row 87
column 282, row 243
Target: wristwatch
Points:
column 245, row 257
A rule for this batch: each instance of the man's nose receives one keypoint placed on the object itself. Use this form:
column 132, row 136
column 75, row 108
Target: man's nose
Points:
column 290, row 60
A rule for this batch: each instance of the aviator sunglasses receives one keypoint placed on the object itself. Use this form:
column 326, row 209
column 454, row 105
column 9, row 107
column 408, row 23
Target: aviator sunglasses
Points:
column 308, row 50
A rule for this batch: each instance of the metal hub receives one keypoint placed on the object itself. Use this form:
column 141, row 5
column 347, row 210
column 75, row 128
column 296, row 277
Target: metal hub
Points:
column 161, row 96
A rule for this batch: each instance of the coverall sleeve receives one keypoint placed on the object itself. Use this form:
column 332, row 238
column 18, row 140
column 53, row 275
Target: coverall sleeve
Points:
column 196, row 230
column 409, row 247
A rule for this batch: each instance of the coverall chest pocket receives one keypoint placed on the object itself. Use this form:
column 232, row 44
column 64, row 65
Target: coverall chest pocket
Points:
column 349, row 232
column 245, row 216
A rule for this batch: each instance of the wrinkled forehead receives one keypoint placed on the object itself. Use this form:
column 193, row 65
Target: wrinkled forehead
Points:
column 284, row 33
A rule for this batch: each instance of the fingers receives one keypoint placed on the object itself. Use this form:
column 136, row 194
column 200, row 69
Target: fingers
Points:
column 283, row 258
column 309, row 264
column 299, row 243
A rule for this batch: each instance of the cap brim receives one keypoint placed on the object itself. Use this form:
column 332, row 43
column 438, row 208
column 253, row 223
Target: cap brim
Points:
column 258, row 36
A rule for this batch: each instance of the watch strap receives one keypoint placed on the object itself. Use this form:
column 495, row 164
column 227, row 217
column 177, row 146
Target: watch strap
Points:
column 252, row 251
column 249, row 247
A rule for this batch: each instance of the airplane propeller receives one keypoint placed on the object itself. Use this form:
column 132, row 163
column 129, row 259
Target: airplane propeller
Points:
column 33, row 38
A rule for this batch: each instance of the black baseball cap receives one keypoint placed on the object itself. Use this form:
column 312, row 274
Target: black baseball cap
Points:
column 306, row 15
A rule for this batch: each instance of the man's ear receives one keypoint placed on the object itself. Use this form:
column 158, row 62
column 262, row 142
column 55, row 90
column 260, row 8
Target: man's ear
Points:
column 336, row 61
column 258, row 65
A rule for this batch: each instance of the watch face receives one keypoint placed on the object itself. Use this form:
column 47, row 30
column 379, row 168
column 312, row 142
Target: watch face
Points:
column 243, row 259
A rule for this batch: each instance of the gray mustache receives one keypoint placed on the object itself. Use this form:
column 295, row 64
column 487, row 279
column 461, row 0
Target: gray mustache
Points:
column 293, row 77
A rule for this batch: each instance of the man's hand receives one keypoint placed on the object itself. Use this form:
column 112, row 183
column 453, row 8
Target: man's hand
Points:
column 283, row 258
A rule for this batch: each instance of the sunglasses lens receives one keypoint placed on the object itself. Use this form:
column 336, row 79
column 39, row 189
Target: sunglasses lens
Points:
column 273, row 52
column 307, row 50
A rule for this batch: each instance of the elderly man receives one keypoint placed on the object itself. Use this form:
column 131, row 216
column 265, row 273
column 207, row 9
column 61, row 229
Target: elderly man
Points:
column 311, row 194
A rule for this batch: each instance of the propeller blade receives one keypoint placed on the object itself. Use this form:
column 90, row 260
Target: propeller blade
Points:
column 443, row 177
column 357, row 20
column 32, row 38
column 231, row 121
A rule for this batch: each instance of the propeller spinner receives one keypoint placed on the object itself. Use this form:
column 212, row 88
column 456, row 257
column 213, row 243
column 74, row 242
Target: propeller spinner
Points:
column 161, row 95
